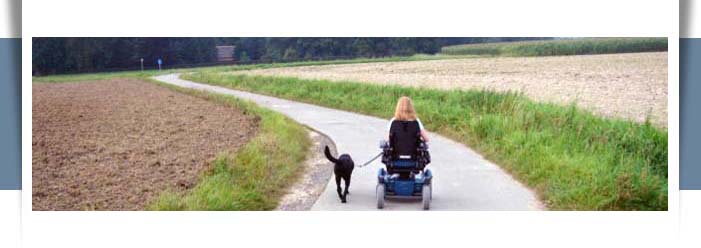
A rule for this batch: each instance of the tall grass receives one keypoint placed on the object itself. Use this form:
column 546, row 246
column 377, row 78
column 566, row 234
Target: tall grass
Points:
column 575, row 160
column 256, row 176
column 560, row 47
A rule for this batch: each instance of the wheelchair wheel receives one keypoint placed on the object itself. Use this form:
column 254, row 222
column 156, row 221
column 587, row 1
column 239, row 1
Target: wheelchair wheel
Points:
column 426, row 196
column 380, row 195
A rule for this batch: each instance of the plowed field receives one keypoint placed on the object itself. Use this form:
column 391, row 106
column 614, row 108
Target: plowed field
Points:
column 116, row 144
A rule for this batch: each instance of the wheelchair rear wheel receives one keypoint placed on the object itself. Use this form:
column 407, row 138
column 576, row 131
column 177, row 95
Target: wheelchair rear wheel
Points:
column 380, row 195
column 426, row 197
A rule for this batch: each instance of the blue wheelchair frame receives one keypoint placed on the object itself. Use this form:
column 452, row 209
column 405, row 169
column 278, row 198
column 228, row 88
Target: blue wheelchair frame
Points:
column 401, row 185
column 408, row 179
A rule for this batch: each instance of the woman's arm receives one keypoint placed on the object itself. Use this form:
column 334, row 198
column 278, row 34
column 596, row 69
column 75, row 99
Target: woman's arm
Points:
column 389, row 127
column 424, row 135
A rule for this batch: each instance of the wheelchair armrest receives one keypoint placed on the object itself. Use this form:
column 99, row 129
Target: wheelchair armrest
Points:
column 384, row 144
column 423, row 146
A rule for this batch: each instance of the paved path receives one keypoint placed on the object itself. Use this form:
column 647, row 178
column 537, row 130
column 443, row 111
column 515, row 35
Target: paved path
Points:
column 463, row 179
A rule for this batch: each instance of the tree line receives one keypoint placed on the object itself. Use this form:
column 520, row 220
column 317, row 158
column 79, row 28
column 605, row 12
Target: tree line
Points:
column 82, row 54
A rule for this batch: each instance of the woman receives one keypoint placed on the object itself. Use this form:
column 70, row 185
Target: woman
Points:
column 405, row 114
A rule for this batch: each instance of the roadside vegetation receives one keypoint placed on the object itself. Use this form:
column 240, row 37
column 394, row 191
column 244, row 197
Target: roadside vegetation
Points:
column 560, row 47
column 256, row 176
column 573, row 159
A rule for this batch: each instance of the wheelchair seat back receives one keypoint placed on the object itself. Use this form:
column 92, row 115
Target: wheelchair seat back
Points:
column 404, row 139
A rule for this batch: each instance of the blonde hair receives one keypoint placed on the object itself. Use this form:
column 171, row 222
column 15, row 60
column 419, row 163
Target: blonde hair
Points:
column 405, row 110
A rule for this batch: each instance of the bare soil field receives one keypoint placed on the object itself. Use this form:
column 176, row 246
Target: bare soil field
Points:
column 631, row 86
column 116, row 144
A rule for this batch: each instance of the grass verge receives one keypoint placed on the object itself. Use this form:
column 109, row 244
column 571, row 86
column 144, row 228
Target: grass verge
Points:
column 560, row 47
column 99, row 76
column 256, row 176
column 573, row 159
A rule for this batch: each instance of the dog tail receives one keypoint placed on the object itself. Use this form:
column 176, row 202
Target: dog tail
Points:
column 328, row 155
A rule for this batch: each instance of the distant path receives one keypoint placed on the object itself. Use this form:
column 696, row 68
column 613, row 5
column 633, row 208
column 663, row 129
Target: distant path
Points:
column 464, row 180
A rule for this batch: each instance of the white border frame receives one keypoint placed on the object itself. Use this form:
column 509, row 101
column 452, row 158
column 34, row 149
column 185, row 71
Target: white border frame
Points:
column 589, row 18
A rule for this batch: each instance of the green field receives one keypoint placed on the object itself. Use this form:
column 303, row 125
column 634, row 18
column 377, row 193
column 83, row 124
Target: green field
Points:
column 560, row 47
column 100, row 76
column 573, row 159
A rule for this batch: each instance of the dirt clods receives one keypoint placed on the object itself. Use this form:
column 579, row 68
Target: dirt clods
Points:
column 116, row 144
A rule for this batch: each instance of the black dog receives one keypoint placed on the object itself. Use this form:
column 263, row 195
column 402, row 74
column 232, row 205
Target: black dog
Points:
column 343, row 168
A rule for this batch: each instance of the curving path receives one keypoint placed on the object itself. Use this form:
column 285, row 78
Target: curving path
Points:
column 463, row 179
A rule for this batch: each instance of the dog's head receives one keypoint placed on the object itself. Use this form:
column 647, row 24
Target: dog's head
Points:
column 343, row 161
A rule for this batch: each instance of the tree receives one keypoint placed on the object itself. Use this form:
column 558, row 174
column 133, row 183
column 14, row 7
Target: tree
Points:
column 290, row 54
column 71, row 55
column 363, row 47
column 244, row 57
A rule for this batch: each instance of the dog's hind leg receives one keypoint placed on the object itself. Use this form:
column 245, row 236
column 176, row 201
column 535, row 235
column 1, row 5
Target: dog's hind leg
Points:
column 347, row 180
column 338, row 189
